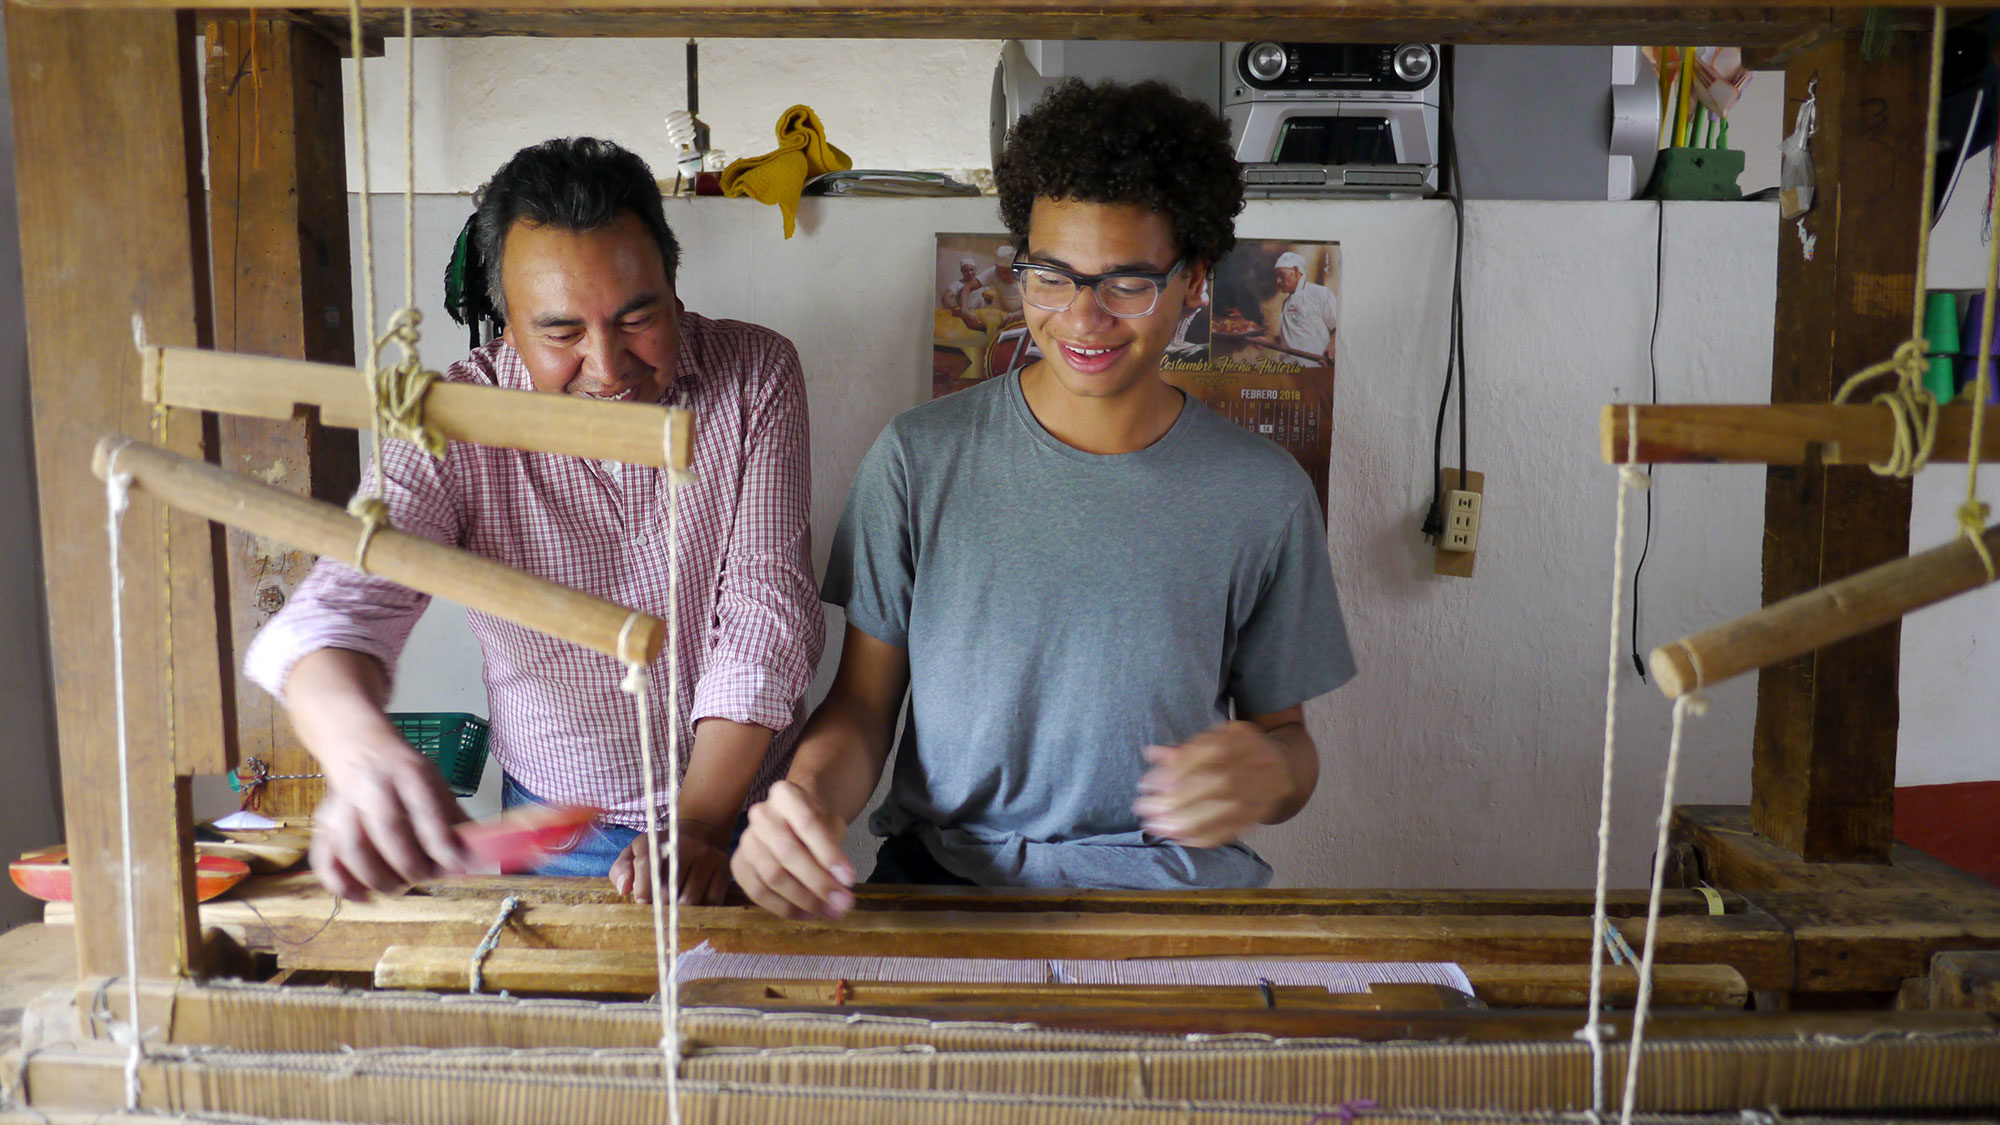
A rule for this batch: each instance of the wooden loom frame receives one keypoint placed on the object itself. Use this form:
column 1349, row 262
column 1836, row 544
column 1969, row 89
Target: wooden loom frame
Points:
column 107, row 159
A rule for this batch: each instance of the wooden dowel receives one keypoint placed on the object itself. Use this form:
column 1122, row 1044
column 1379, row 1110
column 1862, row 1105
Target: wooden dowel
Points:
column 1821, row 617
column 469, row 579
column 262, row 387
column 1778, row 435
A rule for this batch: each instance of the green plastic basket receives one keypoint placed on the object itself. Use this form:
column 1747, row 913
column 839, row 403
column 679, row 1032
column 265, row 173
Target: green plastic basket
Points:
column 454, row 740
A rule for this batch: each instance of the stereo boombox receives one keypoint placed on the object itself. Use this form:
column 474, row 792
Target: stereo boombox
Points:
column 1333, row 118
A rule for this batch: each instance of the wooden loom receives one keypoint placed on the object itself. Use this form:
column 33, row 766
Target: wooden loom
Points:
column 1816, row 908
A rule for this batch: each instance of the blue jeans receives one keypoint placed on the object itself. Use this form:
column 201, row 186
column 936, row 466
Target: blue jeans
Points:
column 599, row 845
column 596, row 849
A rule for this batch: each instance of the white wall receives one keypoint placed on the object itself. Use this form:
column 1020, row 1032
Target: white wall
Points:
column 1467, row 751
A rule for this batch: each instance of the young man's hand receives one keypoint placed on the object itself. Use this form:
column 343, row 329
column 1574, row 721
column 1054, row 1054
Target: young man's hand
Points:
column 1215, row 787
column 790, row 860
column 704, row 867
column 386, row 821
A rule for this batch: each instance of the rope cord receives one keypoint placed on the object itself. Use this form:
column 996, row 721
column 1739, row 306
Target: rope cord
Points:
column 671, row 986
column 1630, row 479
column 634, row 684
column 1914, row 408
column 1973, row 513
column 118, row 497
column 395, row 393
column 490, row 942
column 1683, row 706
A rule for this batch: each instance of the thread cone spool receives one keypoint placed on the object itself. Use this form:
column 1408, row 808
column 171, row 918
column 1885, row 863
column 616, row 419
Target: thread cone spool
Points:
column 1968, row 348
column 1941, row 343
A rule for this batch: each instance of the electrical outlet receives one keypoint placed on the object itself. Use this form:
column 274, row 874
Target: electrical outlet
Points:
column 1460, row 498
column 1461, row 521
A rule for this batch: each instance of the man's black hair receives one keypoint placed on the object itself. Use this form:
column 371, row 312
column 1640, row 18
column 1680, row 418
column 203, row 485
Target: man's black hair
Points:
column 1110, row 142
column 571, row 183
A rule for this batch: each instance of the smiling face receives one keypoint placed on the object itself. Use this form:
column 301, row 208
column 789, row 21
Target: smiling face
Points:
column 1089, row 352
column 591, row 312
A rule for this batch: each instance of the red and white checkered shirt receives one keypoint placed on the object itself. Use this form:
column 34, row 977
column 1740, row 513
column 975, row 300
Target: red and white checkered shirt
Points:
column 750, row 625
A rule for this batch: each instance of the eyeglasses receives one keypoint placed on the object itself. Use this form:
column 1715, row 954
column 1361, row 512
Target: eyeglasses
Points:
column 1126, row 294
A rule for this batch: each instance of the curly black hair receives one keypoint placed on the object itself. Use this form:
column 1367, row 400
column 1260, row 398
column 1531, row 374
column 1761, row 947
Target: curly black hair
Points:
column 1111, row 142
column 572, row 183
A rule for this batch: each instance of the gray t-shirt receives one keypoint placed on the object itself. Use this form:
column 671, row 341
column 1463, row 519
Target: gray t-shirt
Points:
column 1062, row 610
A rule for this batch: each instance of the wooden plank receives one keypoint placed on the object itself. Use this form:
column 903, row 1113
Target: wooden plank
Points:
column 1735, row 857
column 264, row 387
column 278, row 237
column 1870, row 941
column 469, row 579
column 1965, row 981
column 1469, row 21
column 1240, row 902
column 1815, row 619
column 292, row 917
column 102, row 130
column 608, row 973
column 1787, row 434
column 1824, row 760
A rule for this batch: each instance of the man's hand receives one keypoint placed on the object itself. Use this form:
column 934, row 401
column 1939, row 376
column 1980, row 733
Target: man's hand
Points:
column 1216, row 786
column 704, row 867
column 386, row 822
column 790, row 861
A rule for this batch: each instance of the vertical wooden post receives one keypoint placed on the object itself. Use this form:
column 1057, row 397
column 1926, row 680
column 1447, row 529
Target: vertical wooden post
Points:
column 111, row 223
column 278, row 223
column 1824, row 769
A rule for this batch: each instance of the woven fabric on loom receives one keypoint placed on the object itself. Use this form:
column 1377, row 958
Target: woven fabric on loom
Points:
column 704, row 962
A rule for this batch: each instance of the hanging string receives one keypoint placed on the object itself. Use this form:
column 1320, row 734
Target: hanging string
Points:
column 396, row 393
column 634, row 684
column 118, row 497
column 1913, row 407
column 1630, row 479
column 1973, row 513
column 676, row 479
column 1685, row 705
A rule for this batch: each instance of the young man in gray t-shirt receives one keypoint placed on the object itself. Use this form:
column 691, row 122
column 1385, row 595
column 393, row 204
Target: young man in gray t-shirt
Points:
column 1105, row 603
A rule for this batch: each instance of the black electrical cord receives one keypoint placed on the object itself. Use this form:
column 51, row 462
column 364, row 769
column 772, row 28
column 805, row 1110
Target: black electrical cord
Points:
column 1653, row 362
column 1454, row 360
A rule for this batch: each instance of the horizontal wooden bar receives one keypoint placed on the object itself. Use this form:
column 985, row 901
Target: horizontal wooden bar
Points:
column 1777, row 434
column 606, row 973
column 1233, row 901
column 303, row 1019
column 263, row 387
column 413, row 561
column 1773, row 24
column 1821, row 617
column 292, row 917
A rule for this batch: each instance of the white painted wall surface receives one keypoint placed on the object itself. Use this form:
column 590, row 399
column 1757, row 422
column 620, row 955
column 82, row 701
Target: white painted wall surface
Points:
column 1466, row 753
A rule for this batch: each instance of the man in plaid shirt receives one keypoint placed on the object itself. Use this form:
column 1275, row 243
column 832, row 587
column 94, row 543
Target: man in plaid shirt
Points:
column 585, row 286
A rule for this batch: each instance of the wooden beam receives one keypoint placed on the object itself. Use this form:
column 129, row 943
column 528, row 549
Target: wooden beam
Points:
column 307, row 928
column 1466, row 21
column 1777, row 435
column 1734, row 857
column 612, row 973
column 411, row 560
column 1823, row 768
column 1826, row 616
column 104, row 153
column 278, row 236
column 635, row 433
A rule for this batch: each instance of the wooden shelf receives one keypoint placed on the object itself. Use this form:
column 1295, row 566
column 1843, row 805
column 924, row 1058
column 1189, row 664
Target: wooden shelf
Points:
column 1772, row 25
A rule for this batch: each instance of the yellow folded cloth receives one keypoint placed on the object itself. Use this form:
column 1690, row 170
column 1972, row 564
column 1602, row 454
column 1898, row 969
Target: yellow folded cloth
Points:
column 779, row 176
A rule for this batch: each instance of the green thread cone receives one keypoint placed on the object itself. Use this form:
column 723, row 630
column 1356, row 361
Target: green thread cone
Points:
column 1941, row 342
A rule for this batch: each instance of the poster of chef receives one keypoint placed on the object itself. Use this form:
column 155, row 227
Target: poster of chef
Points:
column 1258, row 350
